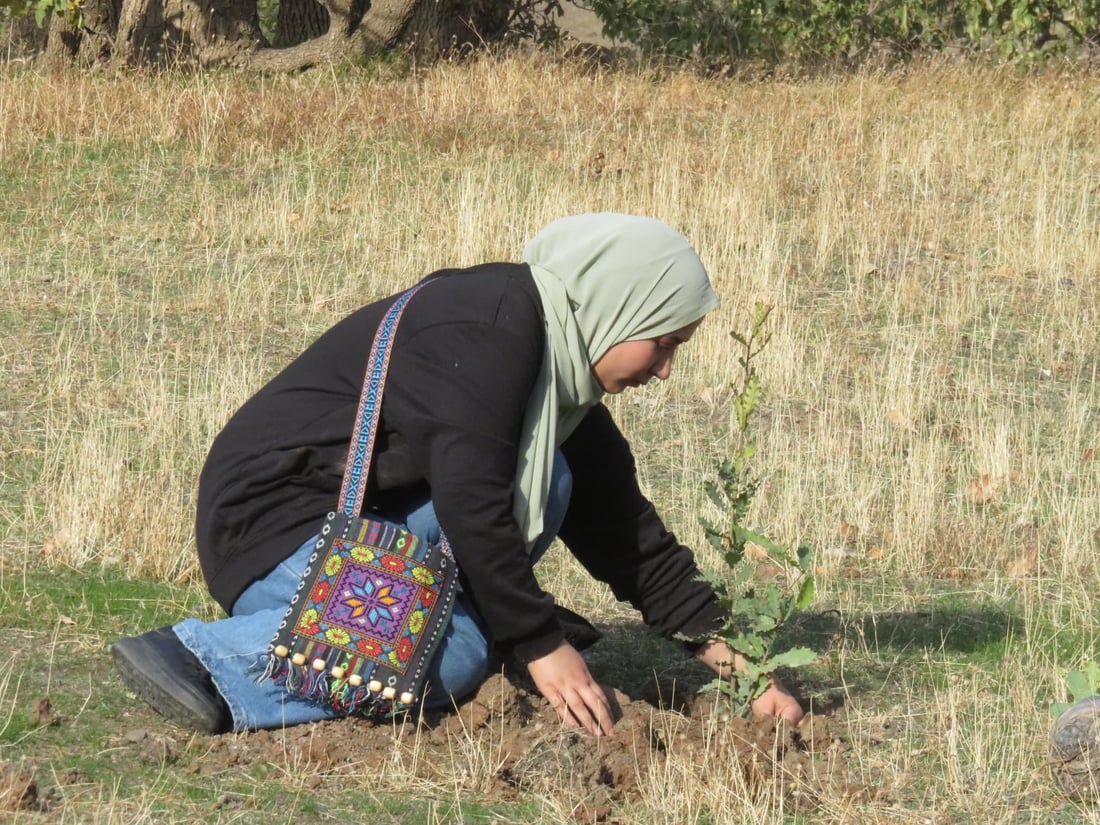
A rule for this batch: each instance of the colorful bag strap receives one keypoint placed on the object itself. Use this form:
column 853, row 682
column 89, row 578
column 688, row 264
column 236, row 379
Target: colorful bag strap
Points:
column 354, row 487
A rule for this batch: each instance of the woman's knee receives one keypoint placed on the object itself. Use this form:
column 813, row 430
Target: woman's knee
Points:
column 461, row 663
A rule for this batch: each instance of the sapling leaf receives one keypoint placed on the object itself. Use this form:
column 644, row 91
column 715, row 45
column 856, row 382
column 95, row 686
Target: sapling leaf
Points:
column 746, row 605
column 748, row 645
column 1092, row 671
column 742, row 573
column 714, row 495
column 713, row 684
column 710, row 578
column 771, row 606
column 805, row 558
column 1077, row 682
column 747, row 401
column 762, row 624
column 805, row 594
column 777, row 552
column 717, row 541
column 795, row 657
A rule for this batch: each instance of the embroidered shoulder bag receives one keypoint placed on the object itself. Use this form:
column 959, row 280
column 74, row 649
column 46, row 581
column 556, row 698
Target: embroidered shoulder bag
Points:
column 375, row 599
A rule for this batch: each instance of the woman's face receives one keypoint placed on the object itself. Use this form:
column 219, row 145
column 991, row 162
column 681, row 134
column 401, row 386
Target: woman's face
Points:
column 634, row 363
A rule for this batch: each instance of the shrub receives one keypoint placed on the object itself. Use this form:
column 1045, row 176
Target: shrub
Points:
column 825, row 30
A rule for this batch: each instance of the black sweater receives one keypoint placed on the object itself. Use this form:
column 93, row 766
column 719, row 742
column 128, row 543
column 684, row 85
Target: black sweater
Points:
column 464, row 361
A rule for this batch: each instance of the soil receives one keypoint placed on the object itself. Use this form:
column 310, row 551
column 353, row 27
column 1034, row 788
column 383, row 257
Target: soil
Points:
column 533, row 753
column 18, row 789
column 538, row 755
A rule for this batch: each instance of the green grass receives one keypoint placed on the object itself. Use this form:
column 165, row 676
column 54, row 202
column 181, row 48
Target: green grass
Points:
column 876, row 660
column 103, row 748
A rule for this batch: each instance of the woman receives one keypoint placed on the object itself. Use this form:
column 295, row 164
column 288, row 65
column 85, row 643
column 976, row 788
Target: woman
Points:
column 492, row 428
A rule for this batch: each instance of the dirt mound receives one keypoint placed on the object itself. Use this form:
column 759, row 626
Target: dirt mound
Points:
column 511, row 735
column 18, row 788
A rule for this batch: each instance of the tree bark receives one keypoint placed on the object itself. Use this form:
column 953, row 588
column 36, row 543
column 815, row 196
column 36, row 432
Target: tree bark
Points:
column 171, row 33
column 299, row 21
column 62, row 42
column 26, row 39
column 100, row 20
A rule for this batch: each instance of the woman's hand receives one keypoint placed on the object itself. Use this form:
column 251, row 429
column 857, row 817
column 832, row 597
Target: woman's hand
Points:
column 563, row 678
column 776, row 700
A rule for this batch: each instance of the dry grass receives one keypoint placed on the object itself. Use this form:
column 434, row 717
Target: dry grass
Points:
column 929, row 240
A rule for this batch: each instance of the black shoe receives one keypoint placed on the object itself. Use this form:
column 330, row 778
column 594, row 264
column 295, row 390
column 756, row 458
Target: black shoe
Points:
column 162, row 671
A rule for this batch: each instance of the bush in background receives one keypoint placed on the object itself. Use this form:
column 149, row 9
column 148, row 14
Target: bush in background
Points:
column 809, row 31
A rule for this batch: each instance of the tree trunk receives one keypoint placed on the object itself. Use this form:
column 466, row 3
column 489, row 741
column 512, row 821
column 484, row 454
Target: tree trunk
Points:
column 299, row 21
column 87, row 44
column 170, row 32
column 308, row 32
column 62, row 42
column 26, row 39
column 100, row 19
column 357, row 29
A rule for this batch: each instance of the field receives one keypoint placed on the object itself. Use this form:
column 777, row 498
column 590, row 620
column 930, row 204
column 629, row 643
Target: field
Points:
column 929, row 240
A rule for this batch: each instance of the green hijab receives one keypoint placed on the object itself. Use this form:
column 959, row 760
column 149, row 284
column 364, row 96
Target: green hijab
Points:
column 603, row 279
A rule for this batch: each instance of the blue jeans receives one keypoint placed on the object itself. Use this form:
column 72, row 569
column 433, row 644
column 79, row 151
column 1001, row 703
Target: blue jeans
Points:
column 231, row 648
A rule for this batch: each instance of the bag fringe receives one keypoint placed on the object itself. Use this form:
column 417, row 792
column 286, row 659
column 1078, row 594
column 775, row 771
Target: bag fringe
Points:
column 305, row 682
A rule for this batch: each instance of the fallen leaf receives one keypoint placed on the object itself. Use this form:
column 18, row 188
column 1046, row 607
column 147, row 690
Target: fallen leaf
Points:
column 1026, row 565
column 770, row 573
column 899, row 419
column 754, row 552
column 937, row 252
column 980, row 490
column 42, row 712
